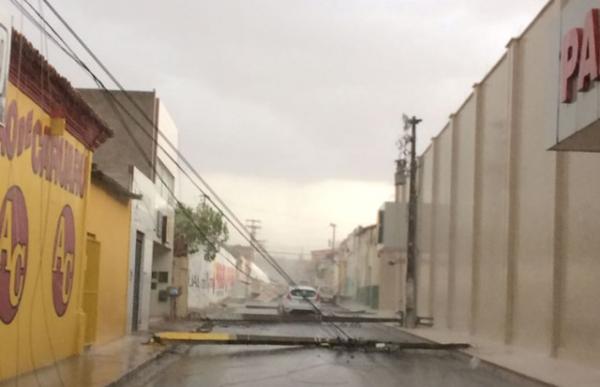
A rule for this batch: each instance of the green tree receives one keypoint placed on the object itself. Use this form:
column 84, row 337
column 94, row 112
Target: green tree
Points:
column 202, row 226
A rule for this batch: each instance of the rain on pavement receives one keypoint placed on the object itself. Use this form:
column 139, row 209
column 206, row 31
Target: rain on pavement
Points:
column 249, row 366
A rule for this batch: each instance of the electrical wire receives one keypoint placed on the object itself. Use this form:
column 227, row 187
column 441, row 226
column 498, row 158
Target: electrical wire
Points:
column 43, row 226
column 231, row 218
column 180, row 205
column 73, row 56
column 239, row 227
column 243, row 233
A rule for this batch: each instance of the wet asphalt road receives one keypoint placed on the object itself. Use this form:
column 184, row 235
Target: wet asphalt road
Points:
column 276, row 366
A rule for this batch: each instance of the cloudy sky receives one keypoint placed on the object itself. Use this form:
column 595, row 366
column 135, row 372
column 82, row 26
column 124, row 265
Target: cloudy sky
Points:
column 290, row 108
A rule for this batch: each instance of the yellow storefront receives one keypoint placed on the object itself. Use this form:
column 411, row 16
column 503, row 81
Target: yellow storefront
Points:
column 46, row 147
column 106, row 277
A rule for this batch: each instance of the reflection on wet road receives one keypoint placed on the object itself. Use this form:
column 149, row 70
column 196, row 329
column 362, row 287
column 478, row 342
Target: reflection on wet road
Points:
column 276, row 366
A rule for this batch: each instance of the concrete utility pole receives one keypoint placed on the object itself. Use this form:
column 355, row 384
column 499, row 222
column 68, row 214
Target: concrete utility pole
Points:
column 333, row 227
column 253, row 225
column 410, row 320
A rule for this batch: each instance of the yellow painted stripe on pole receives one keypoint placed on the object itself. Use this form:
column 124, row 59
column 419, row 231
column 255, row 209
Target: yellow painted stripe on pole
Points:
column 195, row 336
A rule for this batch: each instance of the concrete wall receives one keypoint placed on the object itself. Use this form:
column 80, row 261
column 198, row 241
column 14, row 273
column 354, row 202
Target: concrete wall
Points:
column 578, row 286
column 109, row 220
column 511, row 228
column 424, row 230
column 391, row 252
column 156, row 256
column 120, row 152
column 392, row 274
column 491, row 231
column 368, row 264
column 211, row 282
column 461, row 217
column 442, row 159
column 534, row 196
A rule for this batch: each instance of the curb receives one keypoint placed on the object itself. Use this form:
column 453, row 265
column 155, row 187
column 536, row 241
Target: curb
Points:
column 463, row 354
column 131, row 373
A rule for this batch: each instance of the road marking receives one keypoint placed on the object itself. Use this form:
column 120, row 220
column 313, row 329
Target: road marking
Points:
column 195, row 336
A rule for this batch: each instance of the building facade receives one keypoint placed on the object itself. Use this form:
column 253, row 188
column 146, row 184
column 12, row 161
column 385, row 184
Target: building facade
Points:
column 326, row 269
column 391, row 251
column 107, row 268
column 47, row 138
column 212, row 282
column 141, row 158
column 359, row 267
column 508, row 246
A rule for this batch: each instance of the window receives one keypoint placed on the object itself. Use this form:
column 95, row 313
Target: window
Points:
column 165, row 181
column 163, row 277
column 304, row 293
column 161, row 227
column 5, row 29
column 380, row 220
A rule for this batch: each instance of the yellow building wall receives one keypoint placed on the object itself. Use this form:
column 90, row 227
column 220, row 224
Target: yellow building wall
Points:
column 42, row 239
column 109, row 221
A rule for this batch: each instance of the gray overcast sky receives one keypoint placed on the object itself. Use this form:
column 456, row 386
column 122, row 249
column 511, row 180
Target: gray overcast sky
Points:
column 289, row 108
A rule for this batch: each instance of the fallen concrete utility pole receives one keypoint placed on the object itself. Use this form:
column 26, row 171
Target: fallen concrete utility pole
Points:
column 265, row 318
column 194, row 338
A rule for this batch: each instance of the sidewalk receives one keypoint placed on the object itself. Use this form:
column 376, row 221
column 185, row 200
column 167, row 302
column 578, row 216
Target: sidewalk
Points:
column 536, row 366
column 533, row 365
column 100, row 366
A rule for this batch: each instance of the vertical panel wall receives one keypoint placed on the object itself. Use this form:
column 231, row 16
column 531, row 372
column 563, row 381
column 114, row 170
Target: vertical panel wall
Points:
column 492, row 248
column 534, row 195
column 580, row 316
column 424, row 224
column 441, row 218
column 462, row 215
column 512, row 230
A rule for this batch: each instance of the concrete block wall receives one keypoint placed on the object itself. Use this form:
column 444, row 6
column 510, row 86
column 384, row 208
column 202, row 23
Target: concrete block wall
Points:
column 508, row 231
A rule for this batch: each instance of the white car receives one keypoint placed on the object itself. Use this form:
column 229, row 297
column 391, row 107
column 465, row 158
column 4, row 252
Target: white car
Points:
column 301, row 299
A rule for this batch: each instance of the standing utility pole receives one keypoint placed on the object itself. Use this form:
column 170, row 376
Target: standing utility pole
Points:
column 410, row 318
column 253, row 225
column 333, row 226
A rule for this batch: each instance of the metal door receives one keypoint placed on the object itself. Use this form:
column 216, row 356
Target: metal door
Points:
column 137, row 272
column 90, row 292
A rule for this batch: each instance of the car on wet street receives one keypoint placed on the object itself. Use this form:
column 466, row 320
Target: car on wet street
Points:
column 299, row 299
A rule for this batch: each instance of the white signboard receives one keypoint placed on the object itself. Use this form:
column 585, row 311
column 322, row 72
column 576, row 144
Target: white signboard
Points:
column 5, row 39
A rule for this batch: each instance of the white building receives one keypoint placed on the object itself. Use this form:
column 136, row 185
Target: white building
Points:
column 212, row 282
column 139, row 157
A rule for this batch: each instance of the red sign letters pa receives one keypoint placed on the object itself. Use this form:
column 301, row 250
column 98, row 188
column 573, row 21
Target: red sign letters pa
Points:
column 580, row 55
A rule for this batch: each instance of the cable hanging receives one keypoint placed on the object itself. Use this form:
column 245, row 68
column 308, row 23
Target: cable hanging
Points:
column 217, row 202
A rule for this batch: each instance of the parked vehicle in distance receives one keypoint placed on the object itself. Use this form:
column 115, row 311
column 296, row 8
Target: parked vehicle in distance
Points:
column 327, row 294
column 299, row 299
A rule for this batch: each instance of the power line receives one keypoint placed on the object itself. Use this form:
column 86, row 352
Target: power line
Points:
column 73, row 56
column 231, row 218
column 253, row 225
column 244, row 234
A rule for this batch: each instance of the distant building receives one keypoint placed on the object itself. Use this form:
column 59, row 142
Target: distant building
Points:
column 358, row 266
column 391, row 250
column 325, row 268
